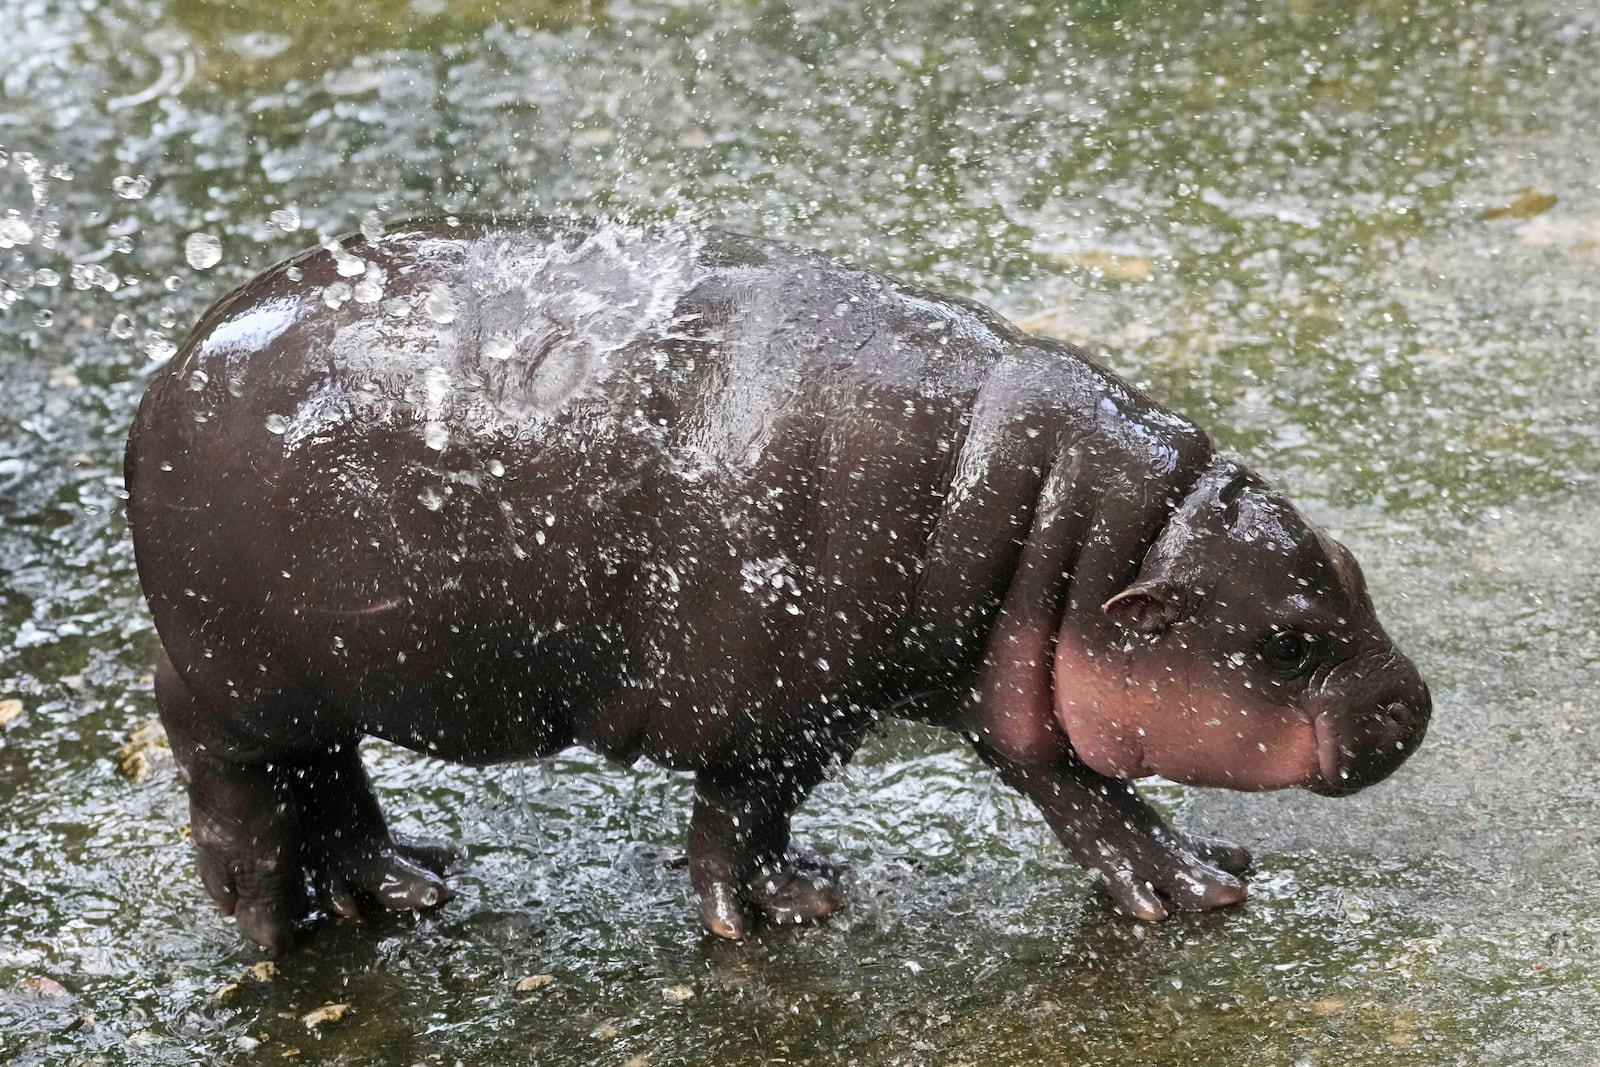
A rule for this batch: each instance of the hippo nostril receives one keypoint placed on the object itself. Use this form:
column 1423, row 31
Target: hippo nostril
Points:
column 1397, row 716
column 1397, row 727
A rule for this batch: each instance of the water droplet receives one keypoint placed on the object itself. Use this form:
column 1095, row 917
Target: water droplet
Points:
column 397, row 307
column 93, row 275
column 172, row 283
column 336, row 294
column 14, row 230
column 371, row 226
column 260, row 44
column 294, row 274
column 276, row 424
column 431, row 498
column 286, row 219
column 46, row 277
column 63, row 172
column 131, row 188
column 369, row 290
column 436, row 436
column 496, row 468
column 348, row 266
column 158, row 346
column 202, row 250
column 499, row 347
column 43, row 318
column 122, row 245
column 441, row 304
column 198, row 380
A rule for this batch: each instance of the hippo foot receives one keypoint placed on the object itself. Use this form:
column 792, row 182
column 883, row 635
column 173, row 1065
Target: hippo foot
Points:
column 254, row 878
column 358, row 879
column 1235, row 859
column 266, row 893
column 799, row 890
column 1150, row 869
column 1188, row 875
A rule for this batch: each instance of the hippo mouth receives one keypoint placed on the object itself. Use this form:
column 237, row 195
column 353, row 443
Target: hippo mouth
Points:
column 1354, row 752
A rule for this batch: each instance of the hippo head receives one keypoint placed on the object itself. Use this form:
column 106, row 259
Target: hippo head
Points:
column 1245, row 654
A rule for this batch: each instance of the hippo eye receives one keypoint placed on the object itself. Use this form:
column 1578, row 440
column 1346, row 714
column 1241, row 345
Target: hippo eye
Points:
column 1290, row 651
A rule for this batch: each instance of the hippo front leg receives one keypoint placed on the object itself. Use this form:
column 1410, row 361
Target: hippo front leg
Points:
column 1149, row 868
column 739, row 859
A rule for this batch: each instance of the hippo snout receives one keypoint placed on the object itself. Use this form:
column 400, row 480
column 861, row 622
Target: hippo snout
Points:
column 1357, row 749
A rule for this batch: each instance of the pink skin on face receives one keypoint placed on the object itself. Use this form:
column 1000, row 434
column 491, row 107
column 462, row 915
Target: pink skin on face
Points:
column 1129, row 715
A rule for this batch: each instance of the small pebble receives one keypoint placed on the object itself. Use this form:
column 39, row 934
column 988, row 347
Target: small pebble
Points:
column 328, row 1013
column 47, row 987
column 535, row 981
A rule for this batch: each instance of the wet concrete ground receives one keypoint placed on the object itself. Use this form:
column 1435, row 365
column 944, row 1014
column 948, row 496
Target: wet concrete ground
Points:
column 1361, row 245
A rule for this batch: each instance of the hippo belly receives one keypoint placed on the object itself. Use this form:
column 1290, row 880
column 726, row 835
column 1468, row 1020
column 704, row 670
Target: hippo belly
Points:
column 489, row 490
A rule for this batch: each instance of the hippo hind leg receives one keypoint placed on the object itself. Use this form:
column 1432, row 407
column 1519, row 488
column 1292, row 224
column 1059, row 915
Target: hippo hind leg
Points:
column 739, row 858
column 243, row 821
column 261, row 827
column 357, row 867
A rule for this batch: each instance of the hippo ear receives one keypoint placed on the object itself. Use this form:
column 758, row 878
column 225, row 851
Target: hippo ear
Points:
column 1148, row 606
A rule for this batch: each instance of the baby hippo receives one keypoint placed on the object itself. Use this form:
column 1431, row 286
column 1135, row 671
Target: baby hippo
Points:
column 488, row 490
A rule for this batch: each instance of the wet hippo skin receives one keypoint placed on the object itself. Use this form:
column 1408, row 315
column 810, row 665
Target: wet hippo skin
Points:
column 487, row 490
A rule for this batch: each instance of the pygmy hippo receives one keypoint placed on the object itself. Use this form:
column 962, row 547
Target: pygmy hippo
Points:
column 490, row 489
